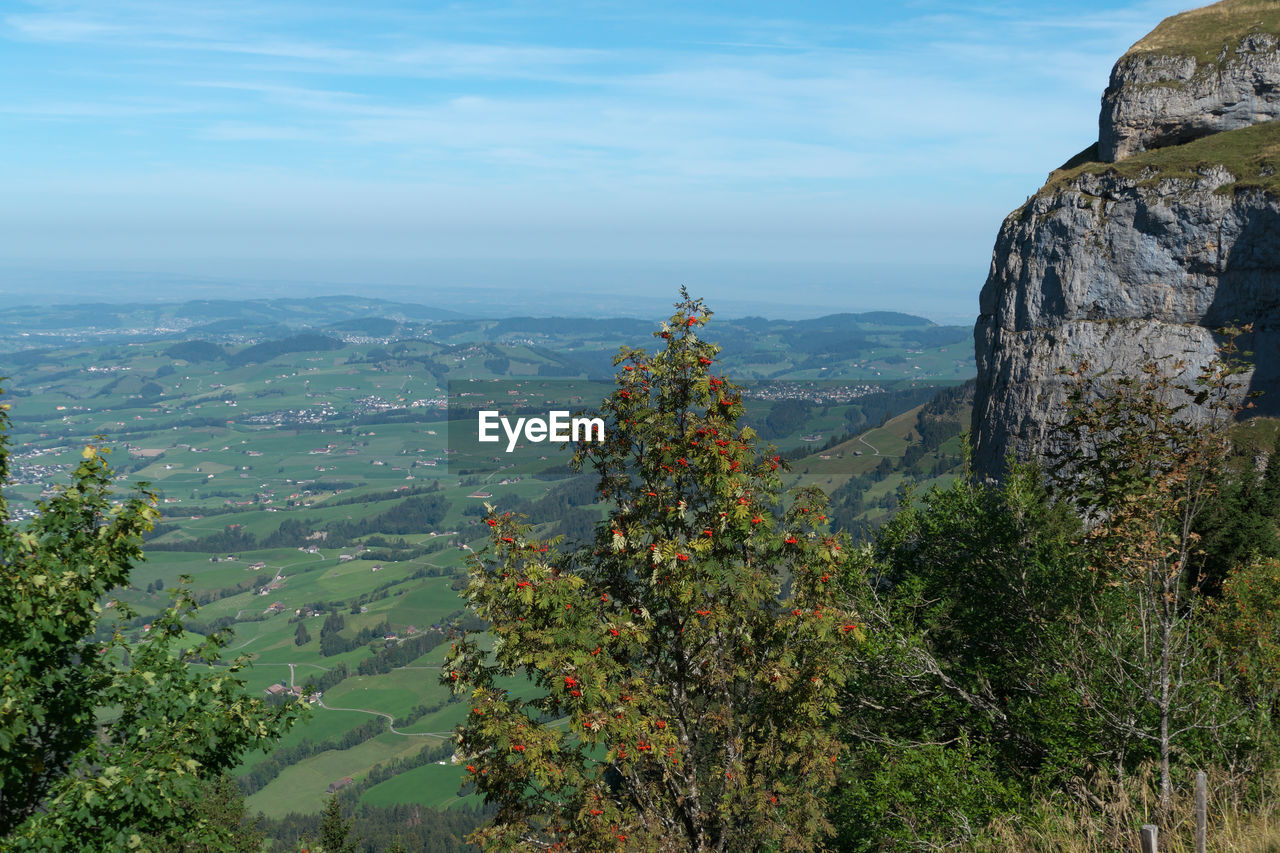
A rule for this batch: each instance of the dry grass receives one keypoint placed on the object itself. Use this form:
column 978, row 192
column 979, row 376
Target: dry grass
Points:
column 1233, row 826
column 1212, row 31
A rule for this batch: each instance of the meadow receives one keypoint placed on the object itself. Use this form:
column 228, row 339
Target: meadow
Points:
column 306, row 478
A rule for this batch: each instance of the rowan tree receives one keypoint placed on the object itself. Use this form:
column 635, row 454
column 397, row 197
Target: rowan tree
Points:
column 676, row 680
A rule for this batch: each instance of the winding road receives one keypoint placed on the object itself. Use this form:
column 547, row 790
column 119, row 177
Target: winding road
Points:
column 391, row 722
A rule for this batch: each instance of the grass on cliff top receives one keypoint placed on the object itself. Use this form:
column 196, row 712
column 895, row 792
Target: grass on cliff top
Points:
column 1204, row 33
column 1251, row 154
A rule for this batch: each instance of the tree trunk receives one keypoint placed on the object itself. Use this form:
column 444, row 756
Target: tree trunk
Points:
column 1166, row 664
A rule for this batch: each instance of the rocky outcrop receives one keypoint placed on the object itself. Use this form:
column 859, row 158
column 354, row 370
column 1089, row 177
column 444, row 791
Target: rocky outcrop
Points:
column 1157, row 100
column 1111, row 271
column 1143, row 255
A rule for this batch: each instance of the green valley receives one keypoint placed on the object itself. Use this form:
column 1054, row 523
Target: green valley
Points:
column 310, row 490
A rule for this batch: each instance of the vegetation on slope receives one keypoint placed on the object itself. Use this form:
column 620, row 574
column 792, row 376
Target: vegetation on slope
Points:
column 1015, row 667
column 995, row 695
column 1211, row 33
column 1251, row 154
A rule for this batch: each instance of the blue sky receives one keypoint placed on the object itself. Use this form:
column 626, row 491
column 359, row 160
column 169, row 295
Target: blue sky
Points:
column 870, row 149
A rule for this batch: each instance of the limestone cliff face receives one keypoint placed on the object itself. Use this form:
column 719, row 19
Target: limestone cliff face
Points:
column 1115, row 263
column 1157, row 100
column 1108, row 270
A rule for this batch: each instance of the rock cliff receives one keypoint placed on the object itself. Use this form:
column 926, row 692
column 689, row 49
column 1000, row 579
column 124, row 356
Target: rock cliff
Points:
column 1201, row 72
column 1145, row 244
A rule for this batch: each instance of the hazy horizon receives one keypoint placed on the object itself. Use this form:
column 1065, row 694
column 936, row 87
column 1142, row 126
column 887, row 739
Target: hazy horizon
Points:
column 861, row 156
column 535, row 288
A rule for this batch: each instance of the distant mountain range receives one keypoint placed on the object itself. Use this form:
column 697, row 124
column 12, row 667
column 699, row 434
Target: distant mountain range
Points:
column 215, row 315
column 874, row 344
column 26, row 326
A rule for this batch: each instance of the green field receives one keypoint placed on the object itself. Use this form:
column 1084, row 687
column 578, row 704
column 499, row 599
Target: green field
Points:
column 433, row 784
column 299, row 486
column 302, row 787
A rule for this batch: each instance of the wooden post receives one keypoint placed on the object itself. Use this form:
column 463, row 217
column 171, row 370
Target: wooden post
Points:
column 1149, row 841
column 1202, row 811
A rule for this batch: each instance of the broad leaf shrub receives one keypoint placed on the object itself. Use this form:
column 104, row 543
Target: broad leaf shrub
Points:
column 674, row 685
column 102, row 741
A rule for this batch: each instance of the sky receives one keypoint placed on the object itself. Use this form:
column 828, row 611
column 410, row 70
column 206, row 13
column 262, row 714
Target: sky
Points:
column 790, row 159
